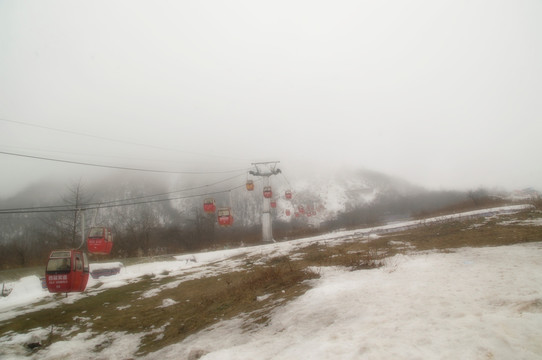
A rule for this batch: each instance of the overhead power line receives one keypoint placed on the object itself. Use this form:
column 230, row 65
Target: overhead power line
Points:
column 113, row 140
column 121, row 167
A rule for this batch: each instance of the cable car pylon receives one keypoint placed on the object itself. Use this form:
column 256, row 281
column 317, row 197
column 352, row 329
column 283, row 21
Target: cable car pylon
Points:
column 271, row 169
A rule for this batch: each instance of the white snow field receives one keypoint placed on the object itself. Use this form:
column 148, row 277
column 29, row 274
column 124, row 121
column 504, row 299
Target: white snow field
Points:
column 472, row 303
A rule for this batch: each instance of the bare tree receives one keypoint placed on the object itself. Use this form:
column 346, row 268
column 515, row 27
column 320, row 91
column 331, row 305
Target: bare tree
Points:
column 70, row 224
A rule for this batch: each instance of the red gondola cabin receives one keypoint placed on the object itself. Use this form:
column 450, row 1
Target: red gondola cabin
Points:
column 99, row 241
column 267, row 193
column 67, row 271
column 225, row 218
column 209, row 205
column 273, row 204
column 288, row 194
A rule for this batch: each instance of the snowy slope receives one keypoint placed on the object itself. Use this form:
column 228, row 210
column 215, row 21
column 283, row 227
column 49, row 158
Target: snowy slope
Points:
column 472, row 304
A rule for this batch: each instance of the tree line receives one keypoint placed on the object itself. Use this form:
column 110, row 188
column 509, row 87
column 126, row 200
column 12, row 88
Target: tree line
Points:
column 166, row 227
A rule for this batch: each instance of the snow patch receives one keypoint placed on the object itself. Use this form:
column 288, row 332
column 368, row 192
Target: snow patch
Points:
column 263, row 297
column 168, row 302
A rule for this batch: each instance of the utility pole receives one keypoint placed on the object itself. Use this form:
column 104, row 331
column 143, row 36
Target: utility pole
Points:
column 270, row 169
column 82, row 227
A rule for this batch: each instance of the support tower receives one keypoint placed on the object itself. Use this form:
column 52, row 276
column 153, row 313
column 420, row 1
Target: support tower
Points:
column 265, row 170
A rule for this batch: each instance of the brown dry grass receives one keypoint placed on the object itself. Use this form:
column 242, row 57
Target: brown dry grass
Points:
column 474, row 232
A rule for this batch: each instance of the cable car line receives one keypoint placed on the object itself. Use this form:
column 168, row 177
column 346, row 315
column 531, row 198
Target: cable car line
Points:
column 118, row 200
column 96, row 206
column 166, row 193
column 60, row 208
column 168, row 199
column 121, row 167
column 289, row 185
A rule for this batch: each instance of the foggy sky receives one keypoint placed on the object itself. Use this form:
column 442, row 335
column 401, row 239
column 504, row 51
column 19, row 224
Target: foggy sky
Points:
column 445, row 94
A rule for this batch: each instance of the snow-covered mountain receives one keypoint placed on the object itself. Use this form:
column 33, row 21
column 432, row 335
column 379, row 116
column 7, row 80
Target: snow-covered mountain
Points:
column 328, row 194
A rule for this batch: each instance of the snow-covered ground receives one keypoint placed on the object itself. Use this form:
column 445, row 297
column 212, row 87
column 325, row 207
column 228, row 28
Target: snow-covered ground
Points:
column 474, row 303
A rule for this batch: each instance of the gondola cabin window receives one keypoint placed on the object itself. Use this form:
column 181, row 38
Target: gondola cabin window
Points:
column 78, row 263
column 60, row 263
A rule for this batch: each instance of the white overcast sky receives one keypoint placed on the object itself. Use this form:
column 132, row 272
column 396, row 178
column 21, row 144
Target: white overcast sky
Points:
column 445, row 94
